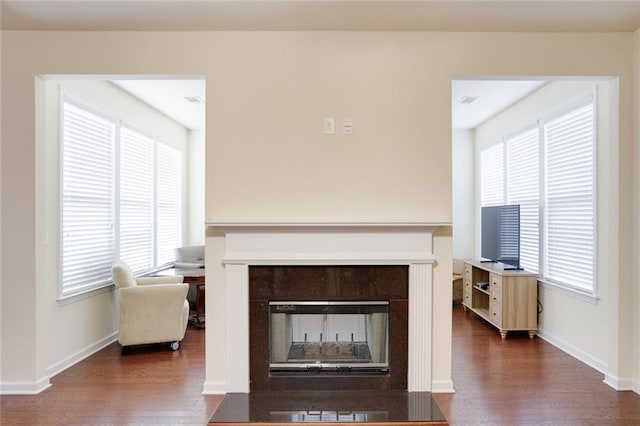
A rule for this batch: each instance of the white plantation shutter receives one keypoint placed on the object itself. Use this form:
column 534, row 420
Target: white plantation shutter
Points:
column 136, row 199
column 87, row 206
column 492, row 176
column 523, row 177
column 120, row 198
column 169, row 194
column 569, row 198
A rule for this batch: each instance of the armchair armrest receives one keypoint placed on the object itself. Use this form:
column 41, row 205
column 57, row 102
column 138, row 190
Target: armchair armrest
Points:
column 167, row 279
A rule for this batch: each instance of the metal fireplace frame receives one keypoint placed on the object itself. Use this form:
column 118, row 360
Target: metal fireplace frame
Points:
column 324, row 365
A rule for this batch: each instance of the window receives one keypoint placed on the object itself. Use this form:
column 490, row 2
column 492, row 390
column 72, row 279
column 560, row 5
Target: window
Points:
column 492, row 176
column 87, row 204
column 136, row 199
column 120, row 198
column 569, row 198
column 168, row 198
column 549, row 170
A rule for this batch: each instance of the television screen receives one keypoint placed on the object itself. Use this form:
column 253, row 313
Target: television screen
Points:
column 500, row 238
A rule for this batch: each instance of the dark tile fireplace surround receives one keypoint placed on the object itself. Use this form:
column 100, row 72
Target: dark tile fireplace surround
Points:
column 328, row 283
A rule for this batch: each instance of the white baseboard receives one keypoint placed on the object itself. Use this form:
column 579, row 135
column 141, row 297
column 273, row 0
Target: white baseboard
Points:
column 80, row 355
column 32, row 388
column 24, row 388
column 617, row 383
column 442, row 386
column 573, row 351
column 214, row 388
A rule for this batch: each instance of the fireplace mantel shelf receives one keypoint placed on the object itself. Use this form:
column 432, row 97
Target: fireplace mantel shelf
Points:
column 216, row 224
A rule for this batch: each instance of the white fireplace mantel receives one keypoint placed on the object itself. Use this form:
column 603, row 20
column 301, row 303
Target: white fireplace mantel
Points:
column 386, row 243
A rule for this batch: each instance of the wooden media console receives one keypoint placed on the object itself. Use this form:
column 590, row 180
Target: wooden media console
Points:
column 507, row 299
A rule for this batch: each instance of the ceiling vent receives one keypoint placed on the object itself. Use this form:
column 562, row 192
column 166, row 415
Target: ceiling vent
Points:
column 468, row 100
column 194, row 99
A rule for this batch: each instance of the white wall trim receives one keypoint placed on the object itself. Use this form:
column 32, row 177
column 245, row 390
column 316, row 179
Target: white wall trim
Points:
column 592, row 362
column 75, row 358
column 618, row 383
column 420, row 323
column 323, row 259
column 227, row 225
column 442, row 386
column 215, row 387
column 32, row 388
column 24, row 388
column 237, row 279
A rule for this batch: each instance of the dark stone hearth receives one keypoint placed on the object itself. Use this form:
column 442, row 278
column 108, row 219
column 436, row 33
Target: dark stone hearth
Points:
column 328, row 283
column 337, row 407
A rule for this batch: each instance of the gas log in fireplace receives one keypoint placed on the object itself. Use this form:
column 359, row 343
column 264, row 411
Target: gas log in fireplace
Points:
column 328, row 327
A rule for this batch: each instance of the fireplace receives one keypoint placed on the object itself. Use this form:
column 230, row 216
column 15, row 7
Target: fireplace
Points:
column 252, row 248
column 328, row 327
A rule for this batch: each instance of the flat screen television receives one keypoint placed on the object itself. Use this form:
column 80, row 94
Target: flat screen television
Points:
column 500, row 237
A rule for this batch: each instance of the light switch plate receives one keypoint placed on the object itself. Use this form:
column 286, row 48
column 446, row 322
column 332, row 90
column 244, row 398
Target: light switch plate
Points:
column 329, row 126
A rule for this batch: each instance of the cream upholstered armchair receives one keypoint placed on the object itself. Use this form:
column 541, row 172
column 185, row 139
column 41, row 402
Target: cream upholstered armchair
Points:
column 152, row 309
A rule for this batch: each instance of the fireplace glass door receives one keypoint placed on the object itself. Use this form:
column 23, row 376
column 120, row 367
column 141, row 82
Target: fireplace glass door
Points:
column 320, row 337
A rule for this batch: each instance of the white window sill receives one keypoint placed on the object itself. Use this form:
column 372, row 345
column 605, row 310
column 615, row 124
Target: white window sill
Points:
column 568, row 291
column 72, row 298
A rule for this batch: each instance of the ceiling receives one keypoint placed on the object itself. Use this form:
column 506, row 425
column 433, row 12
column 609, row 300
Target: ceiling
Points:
column 183, row 100
column 375, row 15
column 487, row 98
column 168, row 96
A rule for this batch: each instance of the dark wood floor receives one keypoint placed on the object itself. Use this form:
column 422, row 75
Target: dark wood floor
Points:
column 522, row 381
column 148, row 386
column 514, row 382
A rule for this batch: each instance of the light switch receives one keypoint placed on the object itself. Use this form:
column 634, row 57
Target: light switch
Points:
column 329, row 126
column 347, row 126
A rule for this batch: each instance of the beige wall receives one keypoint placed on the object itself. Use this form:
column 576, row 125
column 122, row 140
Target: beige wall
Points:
column 266, row 157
